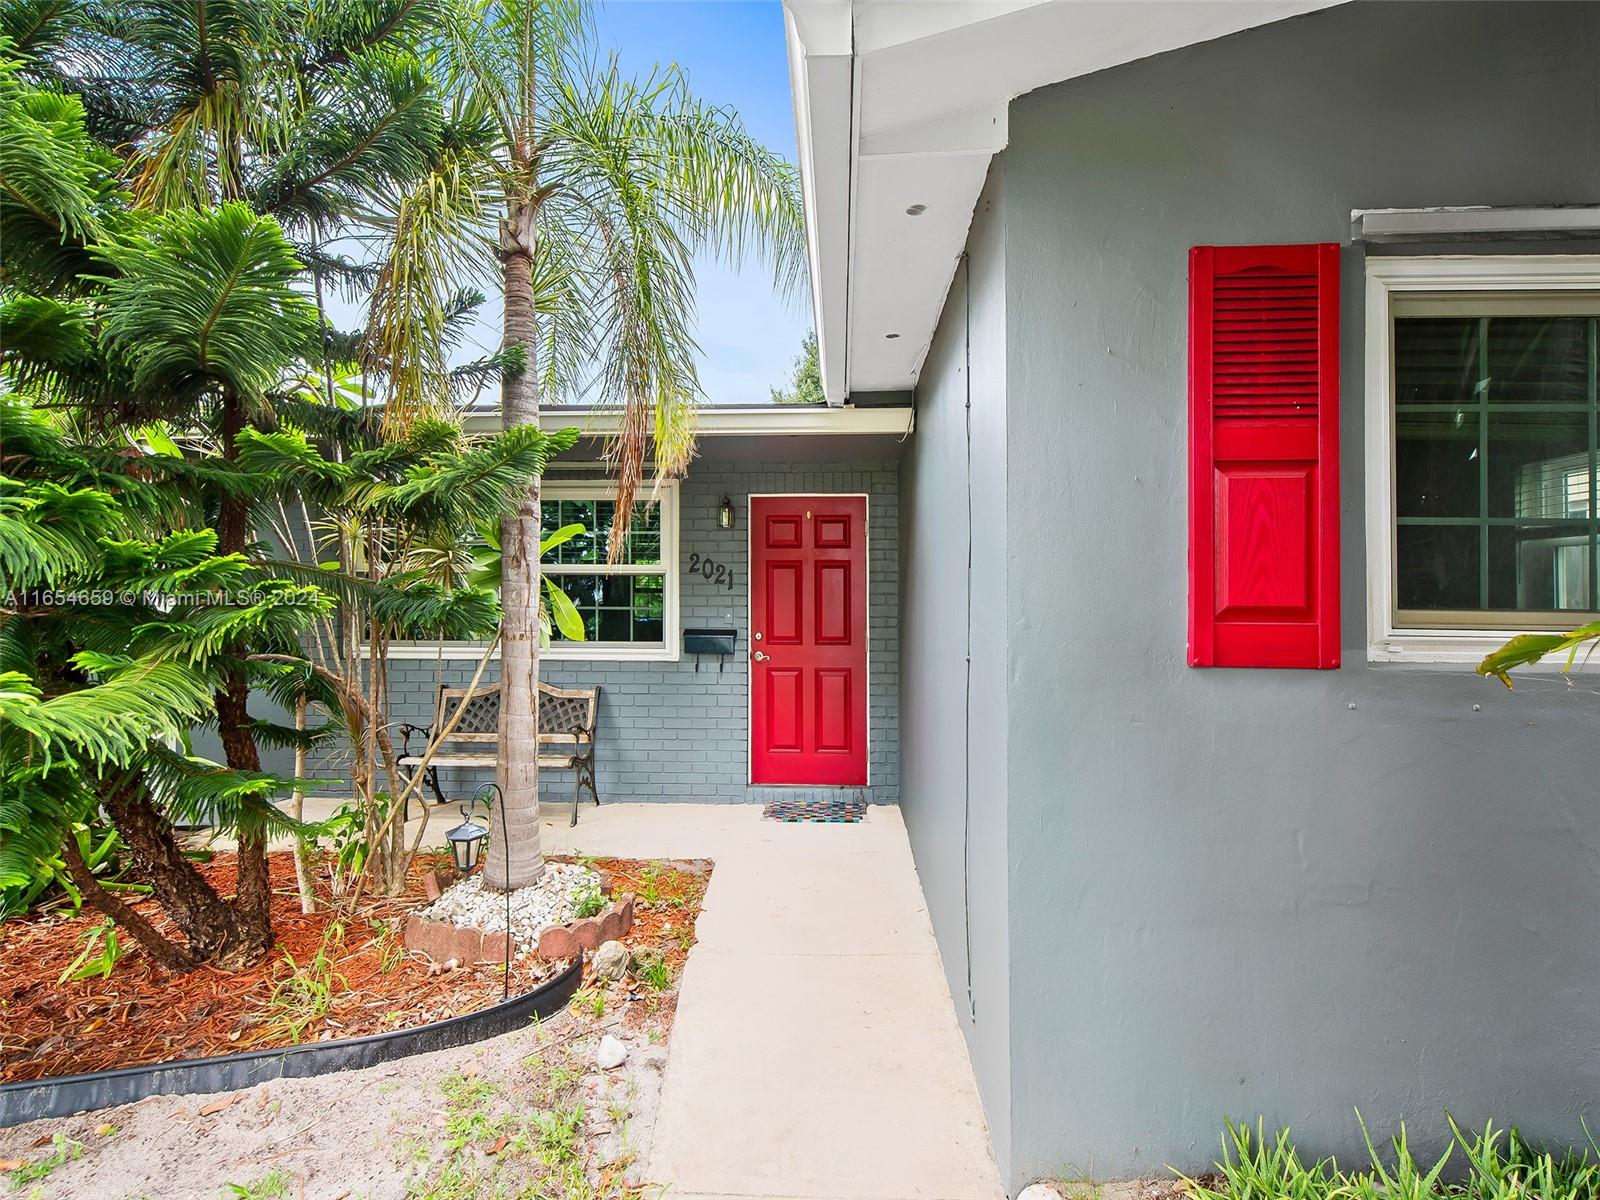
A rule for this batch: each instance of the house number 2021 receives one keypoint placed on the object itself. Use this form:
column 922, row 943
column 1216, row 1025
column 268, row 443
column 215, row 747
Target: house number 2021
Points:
column 711, row 570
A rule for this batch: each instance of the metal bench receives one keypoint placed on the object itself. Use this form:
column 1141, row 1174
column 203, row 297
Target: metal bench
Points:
column 567, row 719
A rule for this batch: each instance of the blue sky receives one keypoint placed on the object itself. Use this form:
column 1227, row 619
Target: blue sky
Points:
column 732, row 52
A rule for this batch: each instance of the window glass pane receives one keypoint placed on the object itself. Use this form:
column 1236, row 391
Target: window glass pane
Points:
column 1540, row 568
column 580, row 549
column 1436, row 463
column 582, row 590
column 1495, row 445
column 1438, row 566
column 616, row 591
column 617, row 607
column 646, row 546
column 1539, row 360
column 1538, row 464
column 616, row 625
column 593, row 545
column 1436, row 360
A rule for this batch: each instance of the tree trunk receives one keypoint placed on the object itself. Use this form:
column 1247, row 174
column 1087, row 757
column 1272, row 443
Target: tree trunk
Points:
column 206, row 921
column 518, row 863
column 253, row 896
column 305, row 868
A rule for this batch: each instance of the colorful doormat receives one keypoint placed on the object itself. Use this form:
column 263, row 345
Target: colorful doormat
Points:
column 833, row 812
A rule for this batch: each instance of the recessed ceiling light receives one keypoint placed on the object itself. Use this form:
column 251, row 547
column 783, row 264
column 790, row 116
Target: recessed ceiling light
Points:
column 891, row 336
column 916, row 210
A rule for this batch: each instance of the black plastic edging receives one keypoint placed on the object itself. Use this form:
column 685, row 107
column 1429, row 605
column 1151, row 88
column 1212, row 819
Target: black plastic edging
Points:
column 63, row 1095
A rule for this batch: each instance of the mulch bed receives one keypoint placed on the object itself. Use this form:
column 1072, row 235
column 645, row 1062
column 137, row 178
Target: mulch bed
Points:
column 143, row 1014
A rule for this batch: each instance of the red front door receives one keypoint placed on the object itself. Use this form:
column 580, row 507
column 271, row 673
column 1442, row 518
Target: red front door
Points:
column 808, row 640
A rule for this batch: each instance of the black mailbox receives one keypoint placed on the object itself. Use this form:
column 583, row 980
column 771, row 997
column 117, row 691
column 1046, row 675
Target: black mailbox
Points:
column 720, row 642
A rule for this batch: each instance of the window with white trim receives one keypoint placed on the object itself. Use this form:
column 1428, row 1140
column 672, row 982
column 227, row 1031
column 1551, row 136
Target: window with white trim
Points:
column 629, row 609
column 627, row 605
column 1483, row 413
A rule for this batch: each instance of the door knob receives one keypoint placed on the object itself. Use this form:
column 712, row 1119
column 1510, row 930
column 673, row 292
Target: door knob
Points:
column 760, row 657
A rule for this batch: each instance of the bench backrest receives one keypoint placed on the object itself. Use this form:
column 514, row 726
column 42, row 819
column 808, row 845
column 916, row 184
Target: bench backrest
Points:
column 562, row 711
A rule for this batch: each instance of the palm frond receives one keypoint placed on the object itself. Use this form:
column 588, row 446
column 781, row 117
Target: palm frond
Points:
column 439, row 242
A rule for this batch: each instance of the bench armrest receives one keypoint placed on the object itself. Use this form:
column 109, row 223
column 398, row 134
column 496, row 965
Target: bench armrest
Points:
column 406, row 730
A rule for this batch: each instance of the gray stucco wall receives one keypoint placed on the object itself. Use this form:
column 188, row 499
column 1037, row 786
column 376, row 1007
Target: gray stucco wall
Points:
column 1286, row 893
column 665, row 731
column 954, row 727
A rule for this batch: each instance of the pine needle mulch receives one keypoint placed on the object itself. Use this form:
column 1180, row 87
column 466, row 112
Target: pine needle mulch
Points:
column 143, row 1014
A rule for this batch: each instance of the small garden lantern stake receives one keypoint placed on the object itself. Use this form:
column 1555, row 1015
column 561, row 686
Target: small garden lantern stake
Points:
column 725, row 514
column 466, row 840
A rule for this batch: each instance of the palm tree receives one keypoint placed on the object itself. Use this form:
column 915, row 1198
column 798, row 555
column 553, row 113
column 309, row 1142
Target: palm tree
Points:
column 590, row 194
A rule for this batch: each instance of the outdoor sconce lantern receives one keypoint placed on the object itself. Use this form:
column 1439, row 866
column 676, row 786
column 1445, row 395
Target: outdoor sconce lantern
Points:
column 725, row 514
column 466, row 841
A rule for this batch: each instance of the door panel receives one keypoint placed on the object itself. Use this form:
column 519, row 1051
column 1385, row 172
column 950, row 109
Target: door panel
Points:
column 808, row 625
column 833, row 604
column 781, row 610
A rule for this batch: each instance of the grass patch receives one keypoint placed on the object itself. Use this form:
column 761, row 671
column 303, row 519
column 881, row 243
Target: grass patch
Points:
column 306, row 994
column 655, row 974
column 650, row 885
column 274, row 1185
column 587, row 900
column 63, row 1150
column 512, row 1144
column 1497, row 1164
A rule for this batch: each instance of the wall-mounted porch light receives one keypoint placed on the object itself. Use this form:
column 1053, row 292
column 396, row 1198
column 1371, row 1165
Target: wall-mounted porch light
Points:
column 725, row 514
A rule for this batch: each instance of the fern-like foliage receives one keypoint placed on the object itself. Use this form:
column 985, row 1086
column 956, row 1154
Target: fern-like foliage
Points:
column 205, row 298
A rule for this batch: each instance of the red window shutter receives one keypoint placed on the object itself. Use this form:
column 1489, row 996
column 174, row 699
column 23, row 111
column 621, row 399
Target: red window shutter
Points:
column 1264, row 456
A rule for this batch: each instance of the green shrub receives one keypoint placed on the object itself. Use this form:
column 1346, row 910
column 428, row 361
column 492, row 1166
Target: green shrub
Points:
column 1494, row 1165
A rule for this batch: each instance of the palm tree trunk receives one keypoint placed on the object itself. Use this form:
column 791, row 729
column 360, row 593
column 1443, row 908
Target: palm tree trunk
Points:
column 518, row 863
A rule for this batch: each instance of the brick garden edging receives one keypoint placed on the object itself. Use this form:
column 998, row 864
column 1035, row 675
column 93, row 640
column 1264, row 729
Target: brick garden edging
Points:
column 443, row 941
column 565, row 941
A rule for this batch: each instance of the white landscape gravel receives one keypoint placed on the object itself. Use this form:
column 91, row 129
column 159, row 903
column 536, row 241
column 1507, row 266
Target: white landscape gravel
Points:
column 551, row 901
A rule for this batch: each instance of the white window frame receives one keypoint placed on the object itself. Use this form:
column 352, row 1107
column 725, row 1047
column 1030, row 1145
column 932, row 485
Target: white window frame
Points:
column 560, row 651
column 1387, row 278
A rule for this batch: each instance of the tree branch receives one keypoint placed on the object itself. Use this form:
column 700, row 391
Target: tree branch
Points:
column 170, row 955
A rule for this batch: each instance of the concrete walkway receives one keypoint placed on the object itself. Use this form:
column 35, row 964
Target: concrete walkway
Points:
column 815, row 1055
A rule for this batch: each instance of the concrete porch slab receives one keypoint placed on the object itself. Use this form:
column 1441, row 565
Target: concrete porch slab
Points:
column 816, row 1053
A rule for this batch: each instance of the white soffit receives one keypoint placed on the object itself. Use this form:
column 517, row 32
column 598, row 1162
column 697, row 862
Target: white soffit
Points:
column 904, row 102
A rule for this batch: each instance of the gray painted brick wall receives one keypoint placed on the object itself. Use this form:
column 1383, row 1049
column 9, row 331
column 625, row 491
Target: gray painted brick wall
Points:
column 669, row 733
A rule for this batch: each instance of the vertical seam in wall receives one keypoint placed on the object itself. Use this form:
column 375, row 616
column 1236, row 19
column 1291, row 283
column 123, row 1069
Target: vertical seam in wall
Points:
column 966, row 695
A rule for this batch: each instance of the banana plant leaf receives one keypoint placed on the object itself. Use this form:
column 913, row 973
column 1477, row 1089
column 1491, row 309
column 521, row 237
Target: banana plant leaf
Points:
column 558, row 606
